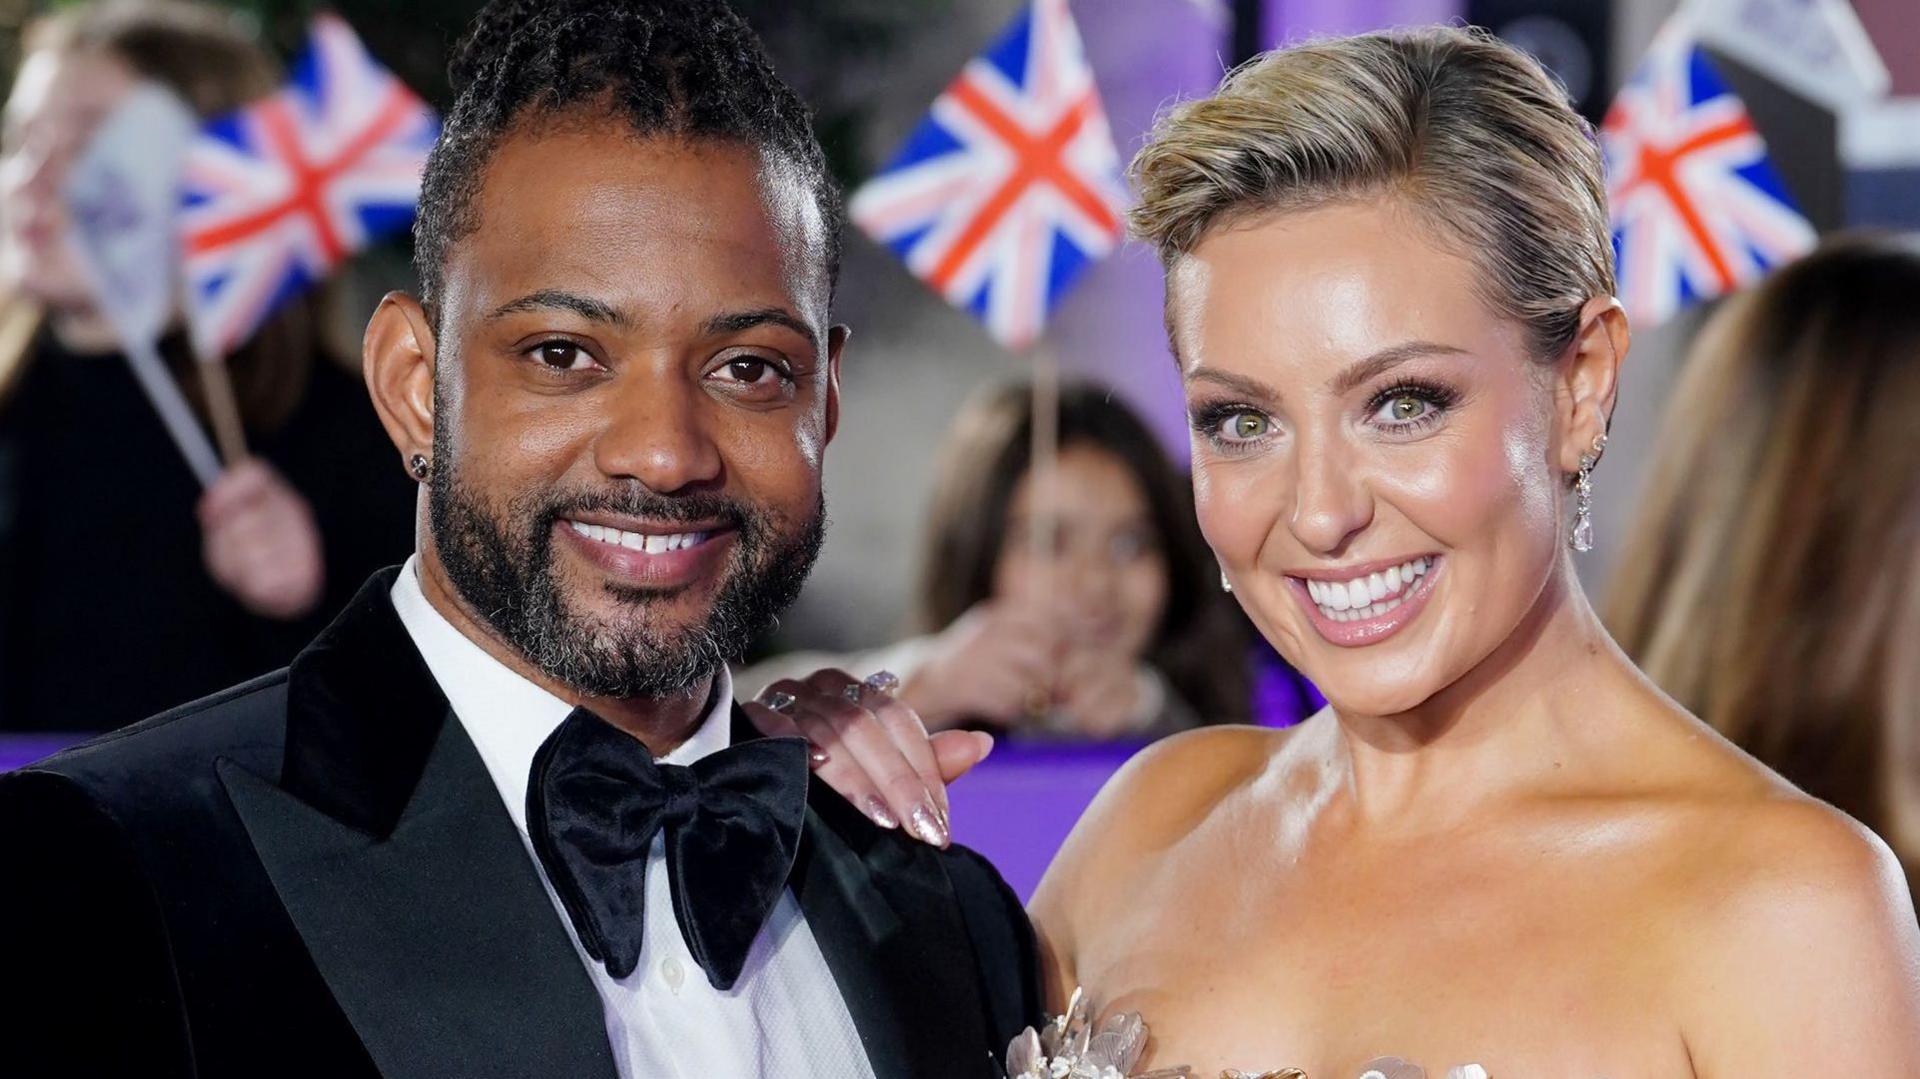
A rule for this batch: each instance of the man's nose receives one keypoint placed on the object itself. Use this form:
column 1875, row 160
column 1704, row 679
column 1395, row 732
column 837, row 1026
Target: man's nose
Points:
column 657, row 433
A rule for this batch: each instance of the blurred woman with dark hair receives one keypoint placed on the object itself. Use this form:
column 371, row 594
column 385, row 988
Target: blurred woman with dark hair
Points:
column 1771, row 583
column 124, row 588
column 1122, row 632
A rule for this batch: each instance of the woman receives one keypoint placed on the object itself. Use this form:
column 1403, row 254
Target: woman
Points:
column 1784, row 609
column 1120, row 632
column 124, row 588
column 1390, row 292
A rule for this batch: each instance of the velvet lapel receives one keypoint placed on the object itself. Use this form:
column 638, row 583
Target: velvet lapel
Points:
column 387, row 843
column 889, row 925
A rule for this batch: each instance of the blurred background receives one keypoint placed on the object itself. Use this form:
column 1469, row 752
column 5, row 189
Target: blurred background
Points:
column 903, row 582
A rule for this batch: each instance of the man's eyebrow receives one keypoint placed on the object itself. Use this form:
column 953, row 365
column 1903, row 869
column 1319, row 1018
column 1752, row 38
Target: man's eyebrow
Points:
column 1240, row 384
column 549, row 299
column 738, row 321
column 1385, row 360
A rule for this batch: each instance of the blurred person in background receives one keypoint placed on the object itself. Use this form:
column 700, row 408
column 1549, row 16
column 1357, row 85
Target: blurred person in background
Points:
column 125, row 588
column 1123, row 632
column 1771, row 582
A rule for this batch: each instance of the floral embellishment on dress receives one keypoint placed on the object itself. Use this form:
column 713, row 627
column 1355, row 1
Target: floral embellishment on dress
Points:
column 1072, row 1047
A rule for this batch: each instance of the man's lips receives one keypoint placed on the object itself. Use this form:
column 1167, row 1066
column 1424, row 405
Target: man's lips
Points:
column 648, row 554
column 654, row 537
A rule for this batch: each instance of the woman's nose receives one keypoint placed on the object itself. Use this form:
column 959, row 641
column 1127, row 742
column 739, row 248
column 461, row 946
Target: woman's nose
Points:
column 1331, row 501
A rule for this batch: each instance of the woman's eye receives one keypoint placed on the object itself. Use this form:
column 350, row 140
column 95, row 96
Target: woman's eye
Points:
column 1404, row 408
column 1244, row 426
column 1130, row 546
column 560, row 355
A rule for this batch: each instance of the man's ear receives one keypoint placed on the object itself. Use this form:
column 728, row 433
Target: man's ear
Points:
column 1588, row 378
column 397, row 357
column 836, row 341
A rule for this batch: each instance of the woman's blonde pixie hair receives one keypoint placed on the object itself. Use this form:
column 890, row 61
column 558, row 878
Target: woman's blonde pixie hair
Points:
column 1466, row 131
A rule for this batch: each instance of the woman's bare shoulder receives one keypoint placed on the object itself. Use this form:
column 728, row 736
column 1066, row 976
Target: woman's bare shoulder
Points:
column 1792, row 947
column 1736, row 820
column 1153, row 805
column 1795, row 946
column 1788, row 856
column 1175, row 784
column 1738, row 837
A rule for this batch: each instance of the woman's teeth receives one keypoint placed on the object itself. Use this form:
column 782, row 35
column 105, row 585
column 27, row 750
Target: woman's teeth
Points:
column 638, row 541
column 1366, row 597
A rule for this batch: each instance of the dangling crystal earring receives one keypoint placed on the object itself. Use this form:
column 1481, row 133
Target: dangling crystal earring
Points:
column 1582, row 539
column 1225, row 585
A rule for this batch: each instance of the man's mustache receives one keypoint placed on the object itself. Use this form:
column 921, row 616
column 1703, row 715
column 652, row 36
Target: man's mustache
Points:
column 703, row 507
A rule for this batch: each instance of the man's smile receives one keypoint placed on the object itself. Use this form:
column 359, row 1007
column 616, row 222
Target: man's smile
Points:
column 650, row 554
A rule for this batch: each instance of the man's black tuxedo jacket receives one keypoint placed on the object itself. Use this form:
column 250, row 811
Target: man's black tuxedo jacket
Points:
column 312, row 875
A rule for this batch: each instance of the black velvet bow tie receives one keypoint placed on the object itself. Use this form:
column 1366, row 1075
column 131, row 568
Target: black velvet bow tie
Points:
column 732, row 820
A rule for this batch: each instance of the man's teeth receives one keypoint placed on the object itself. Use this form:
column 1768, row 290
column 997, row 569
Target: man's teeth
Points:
column 638, row 541
column 1366, row 597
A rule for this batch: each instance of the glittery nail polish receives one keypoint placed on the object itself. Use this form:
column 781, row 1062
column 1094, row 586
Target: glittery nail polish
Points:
column 881, row 815
column 926, row 825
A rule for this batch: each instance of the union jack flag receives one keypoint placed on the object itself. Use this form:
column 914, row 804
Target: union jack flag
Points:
column 276, row 195
column 1698, row 210
column 1010, row 186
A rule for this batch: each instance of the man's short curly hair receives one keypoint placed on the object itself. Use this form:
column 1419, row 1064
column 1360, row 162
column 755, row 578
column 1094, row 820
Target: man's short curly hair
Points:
column 679, row 68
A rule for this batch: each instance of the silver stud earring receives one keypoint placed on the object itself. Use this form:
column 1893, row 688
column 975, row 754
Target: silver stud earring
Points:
column 1582, row 538
column 420, row 466
column 1225, row 585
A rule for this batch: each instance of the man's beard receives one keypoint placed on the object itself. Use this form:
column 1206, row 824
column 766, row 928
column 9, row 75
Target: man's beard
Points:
column 502, row 566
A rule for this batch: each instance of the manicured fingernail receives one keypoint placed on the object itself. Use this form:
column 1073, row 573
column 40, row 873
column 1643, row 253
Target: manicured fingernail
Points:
column 817, row 756
column 881, row 815
column 926, row 825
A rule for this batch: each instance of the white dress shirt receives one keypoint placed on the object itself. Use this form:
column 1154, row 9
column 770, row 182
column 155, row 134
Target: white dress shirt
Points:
column 784, row 1016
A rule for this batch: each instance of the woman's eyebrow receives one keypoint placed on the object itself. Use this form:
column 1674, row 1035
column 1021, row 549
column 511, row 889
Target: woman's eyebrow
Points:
column 1387, row 359
column 1240, row 384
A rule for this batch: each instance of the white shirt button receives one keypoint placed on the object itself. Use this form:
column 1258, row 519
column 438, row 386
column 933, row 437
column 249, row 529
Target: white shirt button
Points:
column 673, row 972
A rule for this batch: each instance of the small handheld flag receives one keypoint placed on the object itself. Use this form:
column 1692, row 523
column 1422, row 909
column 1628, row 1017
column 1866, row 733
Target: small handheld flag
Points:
column 278, row 194
column 1010, row 187
column 120, row 197
column 1698, row 210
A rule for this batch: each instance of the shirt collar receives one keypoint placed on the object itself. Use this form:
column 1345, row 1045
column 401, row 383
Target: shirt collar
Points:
column 509, row 717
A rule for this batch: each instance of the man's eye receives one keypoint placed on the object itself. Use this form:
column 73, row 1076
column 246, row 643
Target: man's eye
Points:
column 560, row 355
column 751, row 371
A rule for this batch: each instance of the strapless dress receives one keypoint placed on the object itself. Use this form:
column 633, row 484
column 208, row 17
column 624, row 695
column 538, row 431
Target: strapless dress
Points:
column 1072, row 1047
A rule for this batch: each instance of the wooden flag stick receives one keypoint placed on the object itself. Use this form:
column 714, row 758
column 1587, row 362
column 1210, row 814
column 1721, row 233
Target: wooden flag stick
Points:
column 1043, row 473
column 223, row 410
column 163, row 390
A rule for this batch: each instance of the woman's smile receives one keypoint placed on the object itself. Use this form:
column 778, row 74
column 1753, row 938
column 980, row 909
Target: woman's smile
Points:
column 1365, row 603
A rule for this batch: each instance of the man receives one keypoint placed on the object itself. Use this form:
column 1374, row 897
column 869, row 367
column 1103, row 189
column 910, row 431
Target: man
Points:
column 500, row 820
